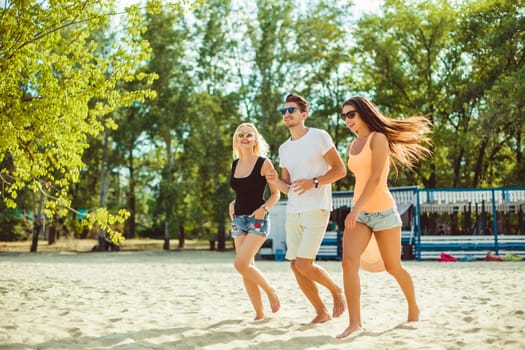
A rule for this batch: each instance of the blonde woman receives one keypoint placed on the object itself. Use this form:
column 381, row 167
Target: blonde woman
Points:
column 249, row 212
column 374, row 221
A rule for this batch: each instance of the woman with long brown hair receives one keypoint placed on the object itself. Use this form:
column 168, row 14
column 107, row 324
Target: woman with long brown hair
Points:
column 374, row 221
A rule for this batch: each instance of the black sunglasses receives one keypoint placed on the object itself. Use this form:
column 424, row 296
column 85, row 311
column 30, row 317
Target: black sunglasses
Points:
column 350, row 115
column 289, row 110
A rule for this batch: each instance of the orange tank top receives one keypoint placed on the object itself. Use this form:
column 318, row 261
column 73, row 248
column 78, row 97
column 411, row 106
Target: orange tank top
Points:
column 361, row 165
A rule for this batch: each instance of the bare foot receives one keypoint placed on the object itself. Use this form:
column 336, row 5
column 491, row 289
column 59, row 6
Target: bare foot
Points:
column 259, row 317
column 275, row 304
column 339, row 304
column 321, row 318
column 413, row 314
column 348, row 331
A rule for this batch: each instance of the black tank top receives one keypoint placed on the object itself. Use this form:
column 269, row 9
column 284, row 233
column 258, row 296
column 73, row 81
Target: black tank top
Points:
column 249, row 190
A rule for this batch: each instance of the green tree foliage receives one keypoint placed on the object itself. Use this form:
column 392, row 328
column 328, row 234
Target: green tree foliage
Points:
column 214, row 116
column 54, row 89
column 491, row 38
column 267, row 50
column 167, row 114
column 321, row 61
column 449, row 62
column 400, row 55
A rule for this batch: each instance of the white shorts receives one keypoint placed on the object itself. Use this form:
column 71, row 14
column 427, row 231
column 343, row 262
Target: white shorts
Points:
column 305, row 232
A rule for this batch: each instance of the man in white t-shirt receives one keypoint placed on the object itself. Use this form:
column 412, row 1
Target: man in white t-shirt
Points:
column 309, row 165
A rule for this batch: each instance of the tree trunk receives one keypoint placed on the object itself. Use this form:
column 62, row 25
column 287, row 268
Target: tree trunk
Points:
column 37, row 227
column 479, row 162
column 182, row 235
column 37, row 224
column 104, row 185
column 166, row 236
column 169, row 175
column 132, row 201
column 456, row 177
column 52, row 237
column 221, row 237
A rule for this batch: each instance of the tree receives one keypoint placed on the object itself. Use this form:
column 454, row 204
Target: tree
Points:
column 400, row 54
column 490, row 37
column 270, row 78
column 214, row 116
column 54, row 90
column 167, row 115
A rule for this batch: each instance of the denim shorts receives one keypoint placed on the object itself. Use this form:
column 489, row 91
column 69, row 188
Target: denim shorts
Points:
column 379, row 221
column 245, row 224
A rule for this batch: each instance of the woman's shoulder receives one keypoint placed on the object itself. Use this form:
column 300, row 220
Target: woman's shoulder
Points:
column 266, row 165
column 378, row 139
column 378, row 136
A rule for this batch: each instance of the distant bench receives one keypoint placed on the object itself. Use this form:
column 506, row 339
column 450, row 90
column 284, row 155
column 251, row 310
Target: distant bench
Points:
column 331, row 246
column 476, row 245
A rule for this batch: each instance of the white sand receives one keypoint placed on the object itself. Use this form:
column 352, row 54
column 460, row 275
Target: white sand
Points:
column 195, row 300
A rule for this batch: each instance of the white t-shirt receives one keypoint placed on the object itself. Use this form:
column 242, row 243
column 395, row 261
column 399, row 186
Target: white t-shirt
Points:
column 304, row 159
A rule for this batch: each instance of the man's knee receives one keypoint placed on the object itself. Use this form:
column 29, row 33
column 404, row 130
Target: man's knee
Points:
column 304, row 267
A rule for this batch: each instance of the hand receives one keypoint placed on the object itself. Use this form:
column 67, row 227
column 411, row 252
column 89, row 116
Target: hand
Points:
column 272, row 177
column 231, row 209
column 303, row 185
column 259, row 213
column 351, row 219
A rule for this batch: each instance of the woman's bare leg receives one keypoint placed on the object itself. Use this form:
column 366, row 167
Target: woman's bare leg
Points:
column 246, row 246
column 354, row 244
column 388, row 242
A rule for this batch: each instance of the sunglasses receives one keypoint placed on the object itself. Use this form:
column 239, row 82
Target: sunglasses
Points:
column 349, row 115
column 241, row 135
column 289, row 110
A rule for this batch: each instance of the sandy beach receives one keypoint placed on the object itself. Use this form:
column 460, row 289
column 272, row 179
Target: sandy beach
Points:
column 195, row 300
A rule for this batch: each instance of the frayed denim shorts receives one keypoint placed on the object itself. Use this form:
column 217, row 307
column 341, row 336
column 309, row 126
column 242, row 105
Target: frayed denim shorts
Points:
column 245, row 224
column 382, row 220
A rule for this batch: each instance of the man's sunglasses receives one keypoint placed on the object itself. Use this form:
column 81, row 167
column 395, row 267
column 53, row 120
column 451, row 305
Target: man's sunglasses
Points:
column 349, row 115
column 289, row 110
column 241, row 135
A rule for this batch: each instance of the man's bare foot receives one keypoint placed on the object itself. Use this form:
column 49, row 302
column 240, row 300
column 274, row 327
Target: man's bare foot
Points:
column 275, row 304
column 259, row 317
column 348, row 331
column 339, row 304
column 321, row 318
column 413, row 314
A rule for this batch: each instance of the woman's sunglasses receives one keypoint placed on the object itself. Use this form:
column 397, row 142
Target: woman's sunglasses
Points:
column 241, row 135
column 289, row 110
column 349, row 115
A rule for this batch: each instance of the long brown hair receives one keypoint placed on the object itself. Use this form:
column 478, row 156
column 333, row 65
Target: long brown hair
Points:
column 407, row 138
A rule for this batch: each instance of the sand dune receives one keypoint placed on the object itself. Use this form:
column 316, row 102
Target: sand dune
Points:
column 195, row 300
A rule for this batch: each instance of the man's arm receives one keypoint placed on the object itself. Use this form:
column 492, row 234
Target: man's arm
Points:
column 283, row 184
column 337, row 168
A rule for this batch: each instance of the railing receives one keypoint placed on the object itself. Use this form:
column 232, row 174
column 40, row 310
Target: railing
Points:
column 452, row 200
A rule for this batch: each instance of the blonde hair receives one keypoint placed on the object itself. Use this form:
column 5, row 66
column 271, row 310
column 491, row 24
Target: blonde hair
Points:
column 260, row 147
column 405, row 137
